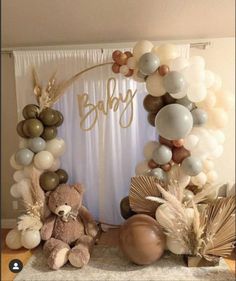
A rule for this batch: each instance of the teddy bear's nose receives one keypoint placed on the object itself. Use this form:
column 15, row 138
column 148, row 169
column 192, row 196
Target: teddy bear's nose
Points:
column 61, row 213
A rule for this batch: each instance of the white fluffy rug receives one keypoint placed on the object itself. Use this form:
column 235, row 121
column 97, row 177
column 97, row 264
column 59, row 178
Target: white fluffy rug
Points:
column 108, row 264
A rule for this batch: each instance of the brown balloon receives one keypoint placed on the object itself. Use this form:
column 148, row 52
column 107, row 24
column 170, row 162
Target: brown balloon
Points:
column 151, row 118
column 178, row 143
column 163, row 69
column 130, row 73
column 152, row 164
column 48, row 116
column 63, row 176
column 30, row 111
column 125, row 210
column 142, row 240
column 166, row 167
column 49, row 181
column 167, row 99
column 19, row 129
column 49, row 133
column 128, row 54
column 115, row 68
column 152, row 104
column 179, row 154
column 115, row 54
column 60, row 118
column 165, row 142
column 32, row 128
column 121, row 59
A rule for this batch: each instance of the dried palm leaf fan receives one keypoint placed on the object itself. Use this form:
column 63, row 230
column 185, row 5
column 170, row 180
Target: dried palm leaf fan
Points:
column 141, row 187
column 218, row 221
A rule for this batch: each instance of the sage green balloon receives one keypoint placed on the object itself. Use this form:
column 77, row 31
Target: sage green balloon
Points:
column 199, row 117
column 159, row 173
column 36, row 144
column 185, row 102
column 174, row 122
column 148, row 63
column 174, row 82
column 191, row 166
column 24, row 157
column 162, row 155
column 32, row 128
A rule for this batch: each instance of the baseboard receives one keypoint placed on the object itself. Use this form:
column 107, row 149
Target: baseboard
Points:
column 8, row 223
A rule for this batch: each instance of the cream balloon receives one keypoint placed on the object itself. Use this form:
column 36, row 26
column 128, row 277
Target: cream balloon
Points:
column 136, row 77
column 28, row 171
column 216, row 153
column 208, row 165
column 194, row 74
column 219, row 136
column 166, row 52
column 197, row 92
column 175, row 246
column 43, row 160
column 212, row 177
column 218, row 118
column 14, row 164
column 179, row 63
column 149, row 148
column 14, row 191
column 23, row 143
column 190, row 141
column 56, row 147
column 225, row 100
column 131, row 63
column 209, row 102
column 209, row 78
column 217, row 83
column 199, row 180
column 30, row 239
column 13, row 239
column 141, row 48
column 142, row 168
column 19, row 175
column 55, row 165
column 154, row 85
column 197, row 60
column 124, row 69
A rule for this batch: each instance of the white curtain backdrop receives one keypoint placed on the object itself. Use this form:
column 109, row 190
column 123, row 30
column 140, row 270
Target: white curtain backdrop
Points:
column 103, row 158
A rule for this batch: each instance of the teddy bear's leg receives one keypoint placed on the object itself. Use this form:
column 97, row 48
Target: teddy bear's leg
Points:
column 80, row 253
column 57, row 253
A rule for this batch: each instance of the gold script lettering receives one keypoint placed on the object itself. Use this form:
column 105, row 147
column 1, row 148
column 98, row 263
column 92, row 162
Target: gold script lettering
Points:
column 89, row 112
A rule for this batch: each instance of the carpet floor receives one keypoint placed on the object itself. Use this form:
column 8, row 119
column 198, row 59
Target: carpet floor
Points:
column 108, row 264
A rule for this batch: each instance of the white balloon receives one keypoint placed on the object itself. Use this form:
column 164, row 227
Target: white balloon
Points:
column 212, row 177
column 131, row 63
column 199, row 180
column 124, row 69
column 190, row 142
column 180, row 95
column 14, row 190
column 179, row 63
column 149, row 148
column 136, row 77
column 209, row 78
column 14, row 164
column 208, row 165
column 56, row 147
column 216, row 153
column 141, row 48
column 194, row 74
column 23, row 143
column 197, row 92
column 19, row 175
column 219, row 136
column 30, row 238
column 13, row 239
column 43, row 160
column 142, row 168
column 197, row 60
column 55, row 165
column 175, row 246
column 166, row 52
column 154, row 85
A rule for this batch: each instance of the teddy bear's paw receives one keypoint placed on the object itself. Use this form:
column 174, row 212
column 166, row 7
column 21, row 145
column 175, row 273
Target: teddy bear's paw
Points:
column 58, row 258
column 92, row 230
column 79, row 257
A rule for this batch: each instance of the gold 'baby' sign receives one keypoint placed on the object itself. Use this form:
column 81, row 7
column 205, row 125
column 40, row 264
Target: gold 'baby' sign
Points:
column 89, row 112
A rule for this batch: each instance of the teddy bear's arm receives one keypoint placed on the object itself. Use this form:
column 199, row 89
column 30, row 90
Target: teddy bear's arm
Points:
column 90, row 225
column 47, row 229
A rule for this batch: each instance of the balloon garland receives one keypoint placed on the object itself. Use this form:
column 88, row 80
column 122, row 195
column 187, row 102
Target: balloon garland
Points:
column 175, row 184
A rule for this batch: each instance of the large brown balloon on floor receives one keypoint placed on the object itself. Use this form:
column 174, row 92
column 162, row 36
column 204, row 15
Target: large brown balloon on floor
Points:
column 32, row 128
column 142, row 240
column 125, row 209
column 30, row 111
column 152, row 104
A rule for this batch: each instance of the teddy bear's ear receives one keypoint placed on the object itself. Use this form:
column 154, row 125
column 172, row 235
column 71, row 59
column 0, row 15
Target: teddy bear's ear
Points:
column 79, row 187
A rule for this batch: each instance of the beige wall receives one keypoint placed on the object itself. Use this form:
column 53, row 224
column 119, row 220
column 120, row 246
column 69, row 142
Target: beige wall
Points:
column 219, row 58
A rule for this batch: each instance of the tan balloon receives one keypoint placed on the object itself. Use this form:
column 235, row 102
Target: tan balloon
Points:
column 166, row 52
column 142, row 240
column 13, row 239
column 149, row 148
column 141, row 48
column 218, row 118
column 154, row 84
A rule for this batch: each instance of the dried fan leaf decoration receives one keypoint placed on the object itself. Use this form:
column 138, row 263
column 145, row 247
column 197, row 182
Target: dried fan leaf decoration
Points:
column 218, row 221
column 141, row 187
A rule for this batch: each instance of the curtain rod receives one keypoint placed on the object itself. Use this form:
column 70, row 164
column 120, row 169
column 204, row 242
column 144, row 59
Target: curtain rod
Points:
column 199, row 45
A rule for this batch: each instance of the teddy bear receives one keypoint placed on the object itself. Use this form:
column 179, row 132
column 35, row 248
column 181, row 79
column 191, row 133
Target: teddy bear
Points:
column 70, row 230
